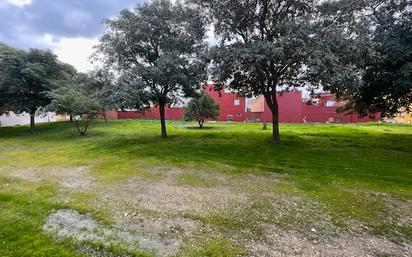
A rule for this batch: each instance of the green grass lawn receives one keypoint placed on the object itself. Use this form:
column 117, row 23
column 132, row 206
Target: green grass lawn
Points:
column 356, row 174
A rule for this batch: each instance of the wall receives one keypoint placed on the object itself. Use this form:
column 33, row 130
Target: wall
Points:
column 112, row 115
column 227, row 105
column 290, row 109
column 403, row 117
column 322, row 114
column 153, row 113
column 13, row 119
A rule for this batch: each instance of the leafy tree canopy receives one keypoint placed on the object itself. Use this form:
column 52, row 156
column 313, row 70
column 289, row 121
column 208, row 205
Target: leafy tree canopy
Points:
column 78, row 99
column 360, row 50
column 201, row 108
column 26, row 77
column 368, row 49
column 264, row 46
column 155, row 51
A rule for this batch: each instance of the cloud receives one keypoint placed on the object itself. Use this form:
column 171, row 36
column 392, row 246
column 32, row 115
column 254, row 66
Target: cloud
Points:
column 19, row 3
column 23, row 20
column 69, row 27
column 75, row 51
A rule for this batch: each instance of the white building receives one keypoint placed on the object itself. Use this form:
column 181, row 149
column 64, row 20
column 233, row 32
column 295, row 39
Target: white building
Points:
column 12, row 119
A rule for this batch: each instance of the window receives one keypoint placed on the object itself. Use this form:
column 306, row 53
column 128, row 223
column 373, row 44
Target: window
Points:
column 338, row 120
column 230, row 117
column 238, row 115
column 236, row 102
column 329, row 104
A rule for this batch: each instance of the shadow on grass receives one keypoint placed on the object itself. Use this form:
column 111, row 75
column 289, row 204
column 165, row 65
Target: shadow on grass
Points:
column 204, row 128
column 324, row 163
column 318, row 152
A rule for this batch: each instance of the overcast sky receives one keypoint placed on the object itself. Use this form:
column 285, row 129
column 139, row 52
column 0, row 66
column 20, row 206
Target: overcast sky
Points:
column 69, row 27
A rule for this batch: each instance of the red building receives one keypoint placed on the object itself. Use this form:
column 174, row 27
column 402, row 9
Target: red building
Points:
column 292, row 109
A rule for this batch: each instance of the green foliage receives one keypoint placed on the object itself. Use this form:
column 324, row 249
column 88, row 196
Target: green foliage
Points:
column 387, row 82
column 360, row 50
column 201, row 108
column 76, row 98
column 263, row 48
column 155, row 51
column 367, row 54
column 26, row 77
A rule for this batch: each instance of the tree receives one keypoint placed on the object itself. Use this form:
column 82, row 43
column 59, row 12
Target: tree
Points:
column 94, row 84
column 26, row 77
column 155, row 51
column 201, row 108
column 74, row 98
column 120, row 92
column 264, row 46
column 378, row 48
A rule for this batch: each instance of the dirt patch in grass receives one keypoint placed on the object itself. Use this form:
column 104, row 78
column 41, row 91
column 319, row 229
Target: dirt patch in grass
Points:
column 237, row 206
column 73, row 179
column 169, row 215
column 13, row 148
column 277, row 242
column 403, row 214
column 169, row 209
column 68, row 223
column 171, row 197
column 165, row 197
column 161, row 211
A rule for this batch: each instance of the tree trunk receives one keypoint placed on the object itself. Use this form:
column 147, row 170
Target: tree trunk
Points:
column 78, row 126
column 104, row 116
column 201, row 123
column 275, row 126
column 272, row 102
column 71, row 118
column 82, row 125
column 32, row 119
column 163, row 118
column 85, row 126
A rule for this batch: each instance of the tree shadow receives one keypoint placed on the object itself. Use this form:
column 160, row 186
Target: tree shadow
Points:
column 310, row 152
column 203, row 128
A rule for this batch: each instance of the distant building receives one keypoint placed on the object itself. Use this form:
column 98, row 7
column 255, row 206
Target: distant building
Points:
column 403, row 117
column 13, row 119
column 292, row 109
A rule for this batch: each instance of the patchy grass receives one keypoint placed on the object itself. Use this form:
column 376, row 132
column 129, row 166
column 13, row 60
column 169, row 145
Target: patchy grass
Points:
column 325, row 178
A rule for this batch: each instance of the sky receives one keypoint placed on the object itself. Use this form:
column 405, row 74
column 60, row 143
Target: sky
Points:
column 70, row 28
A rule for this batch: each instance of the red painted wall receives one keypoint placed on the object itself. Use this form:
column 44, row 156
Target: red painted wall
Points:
column 153, row 113
column 112, row 115
column 320, row 113
column 227, row 105
column 291, row 110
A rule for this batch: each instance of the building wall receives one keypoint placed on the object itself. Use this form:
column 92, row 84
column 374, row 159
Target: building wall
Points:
column 227, row 105
column 403, row 117
column 327, row 114
column 112, row 115
column 12, row 119
column 153, row 113
column 292, row 109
